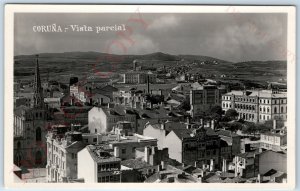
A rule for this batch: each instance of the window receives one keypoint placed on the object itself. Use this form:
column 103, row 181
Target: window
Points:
column 94, row 140
column 38, row 157
column 268, row 110
column 38, row 134
column 281, row 109
column 133, row 150
column 18, row 145
column 124, row 151
column 275, row 109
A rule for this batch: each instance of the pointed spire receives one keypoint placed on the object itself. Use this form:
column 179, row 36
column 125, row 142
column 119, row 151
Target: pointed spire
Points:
column 38, row 98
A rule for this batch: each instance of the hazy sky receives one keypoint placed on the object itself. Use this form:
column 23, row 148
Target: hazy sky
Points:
column 232, row 37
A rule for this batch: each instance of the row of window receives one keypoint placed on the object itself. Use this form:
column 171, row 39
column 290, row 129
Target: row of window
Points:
column 247, row 107
column 108, row 167
column 247, row 116
column 114, row 178
column 253, row 100
column 267, row 109
column 270, row 138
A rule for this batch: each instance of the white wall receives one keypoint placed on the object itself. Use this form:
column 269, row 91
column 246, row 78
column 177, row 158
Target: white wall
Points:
column 87, row 168
column 174, row 144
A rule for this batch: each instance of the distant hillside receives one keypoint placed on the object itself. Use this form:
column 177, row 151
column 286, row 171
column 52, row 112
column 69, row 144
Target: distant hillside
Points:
column 97, row 56
column 82, row 63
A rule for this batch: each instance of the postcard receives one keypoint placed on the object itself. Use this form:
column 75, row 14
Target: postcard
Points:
column 163, row 96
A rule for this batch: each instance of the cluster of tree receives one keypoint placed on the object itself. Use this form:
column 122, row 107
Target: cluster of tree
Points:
column 230, row 122
column 154, row 99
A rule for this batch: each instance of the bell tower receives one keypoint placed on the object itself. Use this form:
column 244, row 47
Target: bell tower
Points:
column 38, row 98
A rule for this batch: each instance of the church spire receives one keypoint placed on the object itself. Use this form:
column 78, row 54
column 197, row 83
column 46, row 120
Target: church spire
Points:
column 38, row 99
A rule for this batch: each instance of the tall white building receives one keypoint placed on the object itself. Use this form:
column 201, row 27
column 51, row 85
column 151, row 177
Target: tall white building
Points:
column 257, row 105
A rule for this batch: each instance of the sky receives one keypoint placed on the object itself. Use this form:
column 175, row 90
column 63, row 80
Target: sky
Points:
column 232, row 37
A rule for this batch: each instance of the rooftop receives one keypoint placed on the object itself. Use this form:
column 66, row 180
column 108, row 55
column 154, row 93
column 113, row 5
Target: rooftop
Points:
column 258, row 93
column 137, row 163
column 100, row 155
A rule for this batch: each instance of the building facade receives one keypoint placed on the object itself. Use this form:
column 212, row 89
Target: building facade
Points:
column 138, row 77
column 30, row 127
column 102, row 120
column 95, row 165
column 205, row 97
column 257, row 105
column 62, row 156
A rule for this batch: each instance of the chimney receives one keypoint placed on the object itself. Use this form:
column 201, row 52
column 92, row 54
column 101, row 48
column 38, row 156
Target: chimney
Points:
column 163, row 125
column 212, row 125
column 274, row 124
column 98, row 139
column 201, row 122
column 118, row 136
column 162, row 163
column 148, row 84
column 243, row 149
column 211, row 166
column 188, row 120
column 258, row 178
column 200, row 179
column 147, row 154
column 195, row 164
column 224, row 167
column 208, row 124
column 116, row 151
column 72, row 100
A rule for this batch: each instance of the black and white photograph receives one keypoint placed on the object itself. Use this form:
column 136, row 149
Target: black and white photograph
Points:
column 150, row 94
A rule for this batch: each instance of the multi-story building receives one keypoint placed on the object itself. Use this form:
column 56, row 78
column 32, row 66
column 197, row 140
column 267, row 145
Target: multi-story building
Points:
column 95, row 164
column 135, row 77
column 73, row 115
column 246, row 164
column 205, row 97
column 232, row 143
column 102, row 120
column 257, row 105
column 92, row 93
column 124, row 147
column 187, row 144
column 61, row 155
column 275, row 140
column 133, row 99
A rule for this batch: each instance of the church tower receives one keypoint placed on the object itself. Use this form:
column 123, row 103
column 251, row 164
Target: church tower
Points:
column 38, row 98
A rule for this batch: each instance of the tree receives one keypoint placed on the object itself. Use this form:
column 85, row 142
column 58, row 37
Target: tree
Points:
column 231, row 114
column 249, row 128
column 154, row 99
column 185, row 105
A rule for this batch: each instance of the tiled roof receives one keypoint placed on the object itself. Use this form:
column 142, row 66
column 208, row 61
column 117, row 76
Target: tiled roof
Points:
column 226, row 133
column 259, row 93
column 182, row 133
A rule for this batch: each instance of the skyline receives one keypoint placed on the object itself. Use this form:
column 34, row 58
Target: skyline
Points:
column 247, row 36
